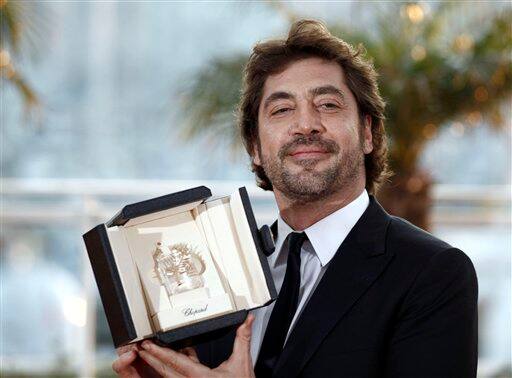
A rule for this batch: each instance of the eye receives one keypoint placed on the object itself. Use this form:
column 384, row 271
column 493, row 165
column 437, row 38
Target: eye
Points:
column 280, row 111
column 329, row 106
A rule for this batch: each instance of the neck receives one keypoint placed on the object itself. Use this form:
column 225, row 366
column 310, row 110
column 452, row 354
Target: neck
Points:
column 299, row 215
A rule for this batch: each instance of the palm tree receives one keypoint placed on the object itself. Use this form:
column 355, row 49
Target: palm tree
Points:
column 20, row 25
column 431, row 76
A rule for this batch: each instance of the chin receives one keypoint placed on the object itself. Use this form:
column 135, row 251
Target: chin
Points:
column 310, row 165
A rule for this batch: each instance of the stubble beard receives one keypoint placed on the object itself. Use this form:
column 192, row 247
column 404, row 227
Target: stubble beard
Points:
column 310, row 184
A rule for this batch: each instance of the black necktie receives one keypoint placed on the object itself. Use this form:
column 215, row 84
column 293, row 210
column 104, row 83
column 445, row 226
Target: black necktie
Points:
column 284, row 309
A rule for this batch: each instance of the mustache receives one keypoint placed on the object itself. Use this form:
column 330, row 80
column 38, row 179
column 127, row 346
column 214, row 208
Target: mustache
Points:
column 308, row 140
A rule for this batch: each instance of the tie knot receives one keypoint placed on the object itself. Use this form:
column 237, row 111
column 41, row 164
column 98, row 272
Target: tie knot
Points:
column 295, row 242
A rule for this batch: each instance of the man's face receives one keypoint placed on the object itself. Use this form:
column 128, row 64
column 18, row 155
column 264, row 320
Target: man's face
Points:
column 311, row 141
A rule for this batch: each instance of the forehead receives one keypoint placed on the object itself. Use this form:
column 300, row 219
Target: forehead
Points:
column 302, row 75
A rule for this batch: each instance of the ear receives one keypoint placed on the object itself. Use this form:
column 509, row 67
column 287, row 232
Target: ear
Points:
column 367, row 135
column 256, row 158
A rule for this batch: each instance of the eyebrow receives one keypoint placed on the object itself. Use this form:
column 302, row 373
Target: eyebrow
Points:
column 281, row 95
column 325, row 89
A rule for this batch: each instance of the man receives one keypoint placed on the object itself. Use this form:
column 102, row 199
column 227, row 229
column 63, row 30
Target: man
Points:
column 361, row 293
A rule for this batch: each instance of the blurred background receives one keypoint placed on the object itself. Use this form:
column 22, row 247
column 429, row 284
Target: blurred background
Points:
column 108, row 103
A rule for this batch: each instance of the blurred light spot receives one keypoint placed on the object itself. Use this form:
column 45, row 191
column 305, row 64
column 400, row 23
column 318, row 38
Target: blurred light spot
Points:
column 5, row 58
column 430, row 131
column 463, row 42
column 474, row 118
column 414, row 184
column 457, row 129
column 498, row 77
column 481, row 94
column 3, row 3
column 414, row 12
column 418, row 53
column 75, row 311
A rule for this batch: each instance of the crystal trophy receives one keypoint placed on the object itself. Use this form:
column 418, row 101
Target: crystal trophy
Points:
column 179, row 267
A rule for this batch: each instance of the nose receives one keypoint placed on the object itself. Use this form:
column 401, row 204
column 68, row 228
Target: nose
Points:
column 307, row 121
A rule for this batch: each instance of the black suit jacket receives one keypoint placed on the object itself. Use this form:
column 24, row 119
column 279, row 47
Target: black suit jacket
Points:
column 394, row 302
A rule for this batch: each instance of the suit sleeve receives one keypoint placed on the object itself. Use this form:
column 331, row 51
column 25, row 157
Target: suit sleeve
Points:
column 436, row 331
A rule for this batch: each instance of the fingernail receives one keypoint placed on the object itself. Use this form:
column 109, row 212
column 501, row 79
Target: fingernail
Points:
column 146, row 344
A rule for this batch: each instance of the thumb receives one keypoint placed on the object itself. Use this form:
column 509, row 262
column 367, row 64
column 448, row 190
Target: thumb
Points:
column 242, row 344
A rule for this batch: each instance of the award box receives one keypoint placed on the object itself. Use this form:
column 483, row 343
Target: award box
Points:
column 181, row 268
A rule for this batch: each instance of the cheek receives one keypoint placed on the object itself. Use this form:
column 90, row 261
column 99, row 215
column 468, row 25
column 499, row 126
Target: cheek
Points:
column 343, row 134
column 270, row 141
column 261, row 149
column 340, row 124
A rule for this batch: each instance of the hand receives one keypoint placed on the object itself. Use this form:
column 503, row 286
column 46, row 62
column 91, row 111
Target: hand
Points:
column 169, row 363
column 129, row 365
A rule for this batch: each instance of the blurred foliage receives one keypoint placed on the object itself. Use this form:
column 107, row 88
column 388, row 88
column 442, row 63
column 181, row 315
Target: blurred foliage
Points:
column 21, row 24
column 434, row 70
column 211, row 100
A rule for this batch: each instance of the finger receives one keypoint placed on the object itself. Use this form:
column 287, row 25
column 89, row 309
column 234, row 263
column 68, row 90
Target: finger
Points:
column 126, row 348
column 190, row 352
column 159, row 366
column 243, row 335
column 124, row 361
column 179, row 362
column 242, row 344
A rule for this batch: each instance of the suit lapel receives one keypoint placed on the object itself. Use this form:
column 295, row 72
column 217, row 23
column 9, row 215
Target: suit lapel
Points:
column 357, row 263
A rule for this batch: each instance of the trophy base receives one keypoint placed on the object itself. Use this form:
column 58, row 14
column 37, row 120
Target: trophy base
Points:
column 190, row 296
column 192, row 311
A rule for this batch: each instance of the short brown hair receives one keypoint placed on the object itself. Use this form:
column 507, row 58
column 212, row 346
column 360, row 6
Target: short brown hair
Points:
column 309, row 38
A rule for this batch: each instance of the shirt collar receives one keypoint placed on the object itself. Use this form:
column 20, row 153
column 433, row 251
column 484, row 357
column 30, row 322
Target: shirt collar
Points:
column 328, row 233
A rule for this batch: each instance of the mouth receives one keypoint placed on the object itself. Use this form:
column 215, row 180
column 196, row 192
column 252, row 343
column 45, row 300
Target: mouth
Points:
column 308, row 152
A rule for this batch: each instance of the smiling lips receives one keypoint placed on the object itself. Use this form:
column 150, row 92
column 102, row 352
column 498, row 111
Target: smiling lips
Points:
column 308, row 147
column 308, row 152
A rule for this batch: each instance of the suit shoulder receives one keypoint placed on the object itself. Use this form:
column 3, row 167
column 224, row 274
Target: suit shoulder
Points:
column 416, row 249
column 414, row 245
column 427, row 262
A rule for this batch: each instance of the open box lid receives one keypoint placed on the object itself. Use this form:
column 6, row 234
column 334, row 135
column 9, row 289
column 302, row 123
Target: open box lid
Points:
column 138, row 209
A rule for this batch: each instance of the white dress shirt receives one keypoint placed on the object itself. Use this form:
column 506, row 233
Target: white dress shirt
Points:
column 324, row 239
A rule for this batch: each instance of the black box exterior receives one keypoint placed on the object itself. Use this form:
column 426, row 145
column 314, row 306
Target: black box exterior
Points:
column 109, row 284
column 111, row 289
column 159, row 204
column 201, row 331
